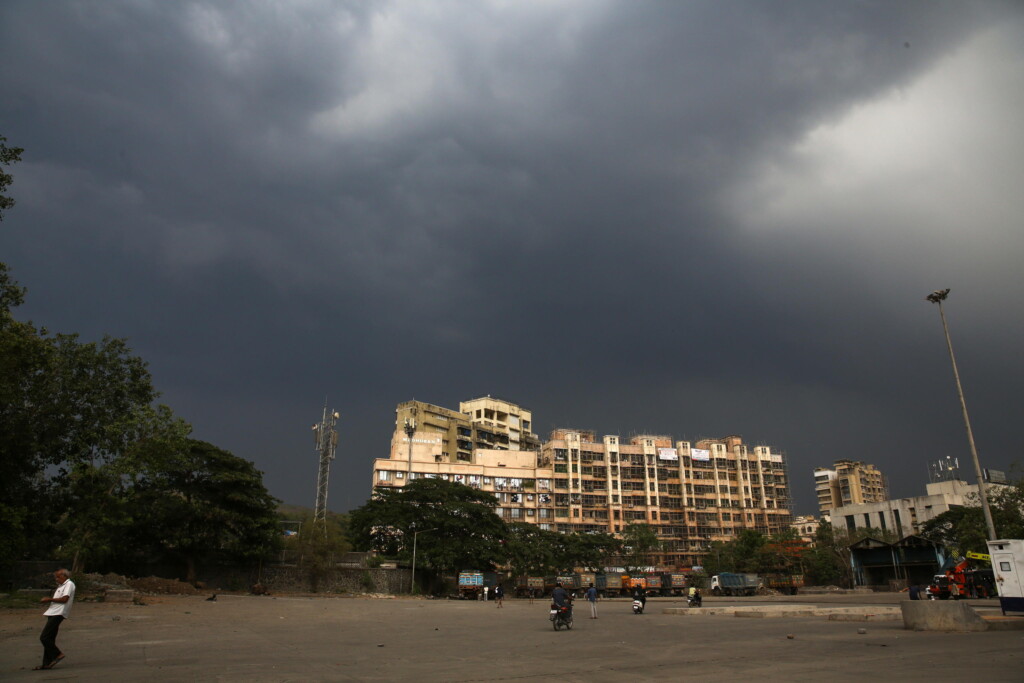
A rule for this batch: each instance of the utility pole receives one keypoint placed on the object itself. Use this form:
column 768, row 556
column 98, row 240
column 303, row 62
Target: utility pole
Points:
column 326, row 444
column 410, row 429
column 937, row 297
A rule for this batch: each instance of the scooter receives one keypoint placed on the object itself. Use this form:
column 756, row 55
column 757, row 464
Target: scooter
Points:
column 638, row 607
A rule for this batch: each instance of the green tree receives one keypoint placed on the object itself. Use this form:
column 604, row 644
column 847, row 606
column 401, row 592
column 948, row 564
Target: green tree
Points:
column 319, row 546
column 963, row 529
column 639, row 541
column 8, row 156
column 530, row 550
column 65, row 406
column 204, row 503
column 466, row 533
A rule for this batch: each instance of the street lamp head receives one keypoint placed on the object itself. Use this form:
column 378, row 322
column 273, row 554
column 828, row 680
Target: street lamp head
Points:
column 938, row 295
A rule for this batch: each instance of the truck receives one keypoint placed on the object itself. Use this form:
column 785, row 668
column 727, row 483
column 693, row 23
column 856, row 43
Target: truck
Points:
column 787, row 584
column 472, row 583
column 609, row 585
column 570, row 582
column 529, row 585
column 674, row 583
column 728, row 583
column 654, row 584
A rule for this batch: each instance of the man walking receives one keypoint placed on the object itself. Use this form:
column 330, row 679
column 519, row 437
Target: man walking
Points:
column 58, row 611
column 592, row 597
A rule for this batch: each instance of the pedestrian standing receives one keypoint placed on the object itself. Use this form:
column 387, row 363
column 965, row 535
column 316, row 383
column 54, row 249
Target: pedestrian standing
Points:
column 57, row 612
column 499, row 594
column 592, row 597
column 954, row 590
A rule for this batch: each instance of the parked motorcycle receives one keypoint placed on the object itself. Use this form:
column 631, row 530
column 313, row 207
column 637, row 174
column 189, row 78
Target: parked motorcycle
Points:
column 561, row 616
column 638, row 607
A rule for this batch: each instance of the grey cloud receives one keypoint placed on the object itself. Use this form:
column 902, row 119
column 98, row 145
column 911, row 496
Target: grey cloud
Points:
column 379, row 201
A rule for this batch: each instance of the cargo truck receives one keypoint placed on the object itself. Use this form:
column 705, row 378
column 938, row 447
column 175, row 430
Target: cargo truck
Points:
column 728, row 583
column 529, row 585
column 788, row 584
column 654, row 584
column 472, row 583
column 609, row 585
column 674, row 583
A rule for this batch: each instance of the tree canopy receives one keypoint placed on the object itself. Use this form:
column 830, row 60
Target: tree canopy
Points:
column 963, row 529
column 457, row 525
column 92, row 471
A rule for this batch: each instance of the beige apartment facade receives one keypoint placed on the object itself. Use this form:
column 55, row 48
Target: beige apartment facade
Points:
column 691, row 493
column 848, row 482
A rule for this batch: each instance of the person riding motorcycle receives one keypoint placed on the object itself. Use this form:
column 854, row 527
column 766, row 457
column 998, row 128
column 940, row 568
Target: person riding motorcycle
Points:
column 559, row 596
column 640, row 594
column 694, row 596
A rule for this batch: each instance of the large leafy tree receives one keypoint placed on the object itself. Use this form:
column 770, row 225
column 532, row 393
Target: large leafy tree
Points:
column 202, row 503
column 530, row 550
column 66, row 407
column 464, row 532
column 639, row 541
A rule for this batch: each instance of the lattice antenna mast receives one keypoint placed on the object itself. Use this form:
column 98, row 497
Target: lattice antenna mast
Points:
column 326, row 444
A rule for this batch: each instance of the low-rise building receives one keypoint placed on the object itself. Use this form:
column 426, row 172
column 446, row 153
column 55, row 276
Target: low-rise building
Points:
column 905, row 516
column 806, row 527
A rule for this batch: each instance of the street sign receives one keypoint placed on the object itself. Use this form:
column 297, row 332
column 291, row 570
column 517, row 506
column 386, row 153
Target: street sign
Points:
column 979, row 556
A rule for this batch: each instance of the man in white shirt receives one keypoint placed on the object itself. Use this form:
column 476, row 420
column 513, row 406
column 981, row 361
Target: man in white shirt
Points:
column 58, row 611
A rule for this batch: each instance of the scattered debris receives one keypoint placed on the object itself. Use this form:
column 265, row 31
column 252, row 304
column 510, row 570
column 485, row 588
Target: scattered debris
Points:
column 862, row 631
column 212, row 598
column 790, row 636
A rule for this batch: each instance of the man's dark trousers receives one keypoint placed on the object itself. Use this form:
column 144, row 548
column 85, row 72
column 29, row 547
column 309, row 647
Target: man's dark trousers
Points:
column 49, row 638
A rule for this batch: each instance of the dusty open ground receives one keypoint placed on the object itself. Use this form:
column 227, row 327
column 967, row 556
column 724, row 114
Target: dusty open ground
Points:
column 280, row 638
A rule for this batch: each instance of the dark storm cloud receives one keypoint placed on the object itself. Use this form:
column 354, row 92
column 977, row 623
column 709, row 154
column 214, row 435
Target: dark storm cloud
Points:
column 624, row 216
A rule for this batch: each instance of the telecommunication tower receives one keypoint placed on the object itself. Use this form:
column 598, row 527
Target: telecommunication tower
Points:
column 326, row 444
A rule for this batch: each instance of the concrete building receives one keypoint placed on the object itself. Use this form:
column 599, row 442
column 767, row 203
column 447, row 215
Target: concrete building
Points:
column 692, row 493
column 848, row 483
column 806, row 527
column 500, row 425
column 905, row 516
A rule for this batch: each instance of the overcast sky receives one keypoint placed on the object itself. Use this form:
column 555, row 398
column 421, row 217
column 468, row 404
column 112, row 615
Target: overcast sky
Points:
column 687, row 218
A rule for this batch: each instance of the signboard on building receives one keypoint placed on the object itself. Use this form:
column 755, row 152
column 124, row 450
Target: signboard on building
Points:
column 700, row 454
column 668, row 454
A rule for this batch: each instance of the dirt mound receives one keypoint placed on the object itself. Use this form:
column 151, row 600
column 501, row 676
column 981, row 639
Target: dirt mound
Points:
column 104, row 581
column 154, row 584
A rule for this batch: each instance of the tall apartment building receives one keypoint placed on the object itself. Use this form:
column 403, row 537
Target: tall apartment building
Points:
column 848, row 483
column 691, row 493
column 482, row 423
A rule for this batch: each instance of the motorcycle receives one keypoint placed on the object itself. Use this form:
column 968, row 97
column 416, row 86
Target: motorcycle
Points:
column 561, row 616
column 638, row 607
column 693, row 600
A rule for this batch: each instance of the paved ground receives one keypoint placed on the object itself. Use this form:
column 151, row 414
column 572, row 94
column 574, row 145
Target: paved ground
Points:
column 244, row 638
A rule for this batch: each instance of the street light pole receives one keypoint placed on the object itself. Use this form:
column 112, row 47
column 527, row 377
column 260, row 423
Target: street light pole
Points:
column 937, row 297
column 412, row 582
